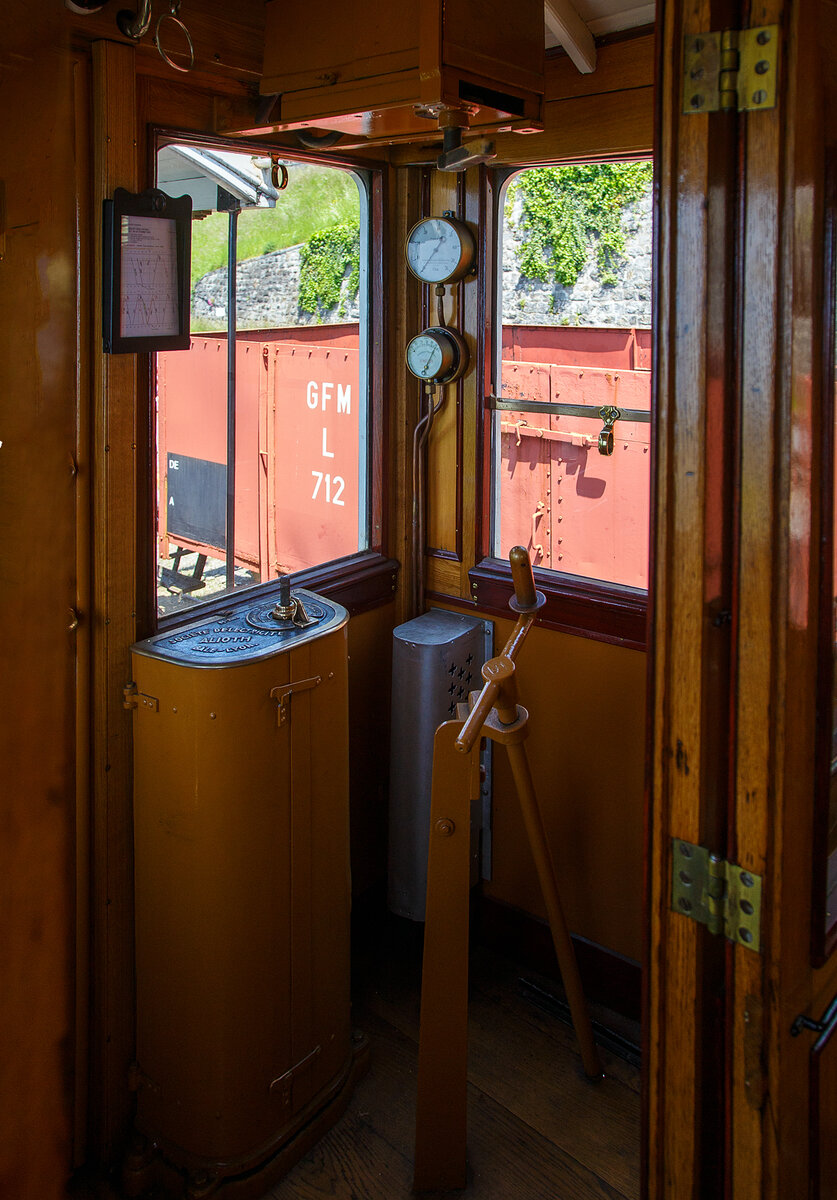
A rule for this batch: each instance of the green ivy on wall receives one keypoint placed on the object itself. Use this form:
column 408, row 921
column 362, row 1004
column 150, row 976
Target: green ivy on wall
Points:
column 324, row 260
column 567, row 210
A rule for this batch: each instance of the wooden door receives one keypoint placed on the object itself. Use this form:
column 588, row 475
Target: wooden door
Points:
column 783, row 1078
column 692, row 594
column 741, row 1094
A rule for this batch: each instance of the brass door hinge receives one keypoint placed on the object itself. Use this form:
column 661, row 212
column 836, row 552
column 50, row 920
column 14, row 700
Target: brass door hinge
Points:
column 733, row 70
column 720, row 895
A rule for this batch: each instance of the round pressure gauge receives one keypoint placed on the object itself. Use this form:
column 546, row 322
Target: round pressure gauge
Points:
column 437, row 355
column 440, row 250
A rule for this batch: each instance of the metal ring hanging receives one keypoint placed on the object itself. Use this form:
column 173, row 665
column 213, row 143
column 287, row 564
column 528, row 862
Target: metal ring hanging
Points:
column 172, row 16
column 278, row 174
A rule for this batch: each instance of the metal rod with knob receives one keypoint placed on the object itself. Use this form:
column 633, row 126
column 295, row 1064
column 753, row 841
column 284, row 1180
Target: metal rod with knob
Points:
column 441, row 1107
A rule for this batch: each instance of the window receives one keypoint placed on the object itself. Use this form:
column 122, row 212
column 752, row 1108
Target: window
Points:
column 261, row 425
column 574, row 349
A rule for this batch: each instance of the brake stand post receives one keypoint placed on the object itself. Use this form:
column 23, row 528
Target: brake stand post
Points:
column 441, row 1103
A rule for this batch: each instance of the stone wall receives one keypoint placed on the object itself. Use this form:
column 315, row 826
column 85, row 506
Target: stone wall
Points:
column 625, row 304
column 267, row 293
column 268, row 287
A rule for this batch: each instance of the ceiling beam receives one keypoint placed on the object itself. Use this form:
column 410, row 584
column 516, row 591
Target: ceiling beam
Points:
column 564, row 23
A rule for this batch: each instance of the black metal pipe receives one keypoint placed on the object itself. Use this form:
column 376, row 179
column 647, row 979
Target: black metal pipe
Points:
column 232, row 252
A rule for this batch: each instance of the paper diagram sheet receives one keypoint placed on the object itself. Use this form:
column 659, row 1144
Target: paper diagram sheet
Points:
column 149, row 293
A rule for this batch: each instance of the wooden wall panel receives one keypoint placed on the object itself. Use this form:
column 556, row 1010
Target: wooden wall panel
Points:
column 587, row 752
column 227, row 40
column 38, row 363
column 115, row 630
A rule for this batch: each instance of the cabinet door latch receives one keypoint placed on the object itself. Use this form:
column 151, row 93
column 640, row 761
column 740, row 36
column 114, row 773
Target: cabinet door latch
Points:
column 283, row 693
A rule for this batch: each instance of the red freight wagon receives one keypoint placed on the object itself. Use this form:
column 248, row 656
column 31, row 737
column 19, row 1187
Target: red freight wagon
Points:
column 578, row 511
column 297, row 444
column 297, row 449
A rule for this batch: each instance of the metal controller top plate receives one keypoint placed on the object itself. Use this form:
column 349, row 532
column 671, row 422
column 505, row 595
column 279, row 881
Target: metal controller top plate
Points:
column 243, row 632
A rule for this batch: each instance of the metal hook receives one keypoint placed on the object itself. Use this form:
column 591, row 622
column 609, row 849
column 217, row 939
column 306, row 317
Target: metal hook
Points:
column 609, row 415
column 135, row 25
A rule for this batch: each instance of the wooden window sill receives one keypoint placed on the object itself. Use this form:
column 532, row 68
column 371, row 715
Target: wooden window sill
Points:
column 603, row 612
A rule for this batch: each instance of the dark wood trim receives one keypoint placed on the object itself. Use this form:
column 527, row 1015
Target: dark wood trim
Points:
column 379, row 279
column 449, row 555
column 365, row 582
column 361, row 582
column 489, row 292
column 823, row 940
column 462, row 298
column 609, row 978
column 817, row 1121
column 588, row 609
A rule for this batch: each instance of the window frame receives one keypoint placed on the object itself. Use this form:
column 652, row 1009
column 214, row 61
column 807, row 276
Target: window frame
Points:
column 608, row 612
column 366, row 578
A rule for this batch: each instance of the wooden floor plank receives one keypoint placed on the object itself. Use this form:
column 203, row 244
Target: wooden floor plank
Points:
column 528, row 1062
column 368, row 1155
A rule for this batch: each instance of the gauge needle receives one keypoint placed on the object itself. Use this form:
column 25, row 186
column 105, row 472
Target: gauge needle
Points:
column 436, row 243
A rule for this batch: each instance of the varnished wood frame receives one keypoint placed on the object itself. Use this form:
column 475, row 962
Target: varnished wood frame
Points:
column 824, row 939
column 365, row 579
column 114, row 621
column 589, row 608
column 684, row 1143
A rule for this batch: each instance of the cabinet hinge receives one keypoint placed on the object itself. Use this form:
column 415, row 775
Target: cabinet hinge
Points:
column 732, row 70
column 720, row 895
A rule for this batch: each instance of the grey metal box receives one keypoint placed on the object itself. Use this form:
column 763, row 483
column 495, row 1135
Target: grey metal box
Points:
column 436, row 662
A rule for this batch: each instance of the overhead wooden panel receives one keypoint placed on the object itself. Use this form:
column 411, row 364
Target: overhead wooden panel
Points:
column 361, row 61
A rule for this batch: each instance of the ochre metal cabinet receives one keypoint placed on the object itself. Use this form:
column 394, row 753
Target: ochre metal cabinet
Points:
column 244, row 1048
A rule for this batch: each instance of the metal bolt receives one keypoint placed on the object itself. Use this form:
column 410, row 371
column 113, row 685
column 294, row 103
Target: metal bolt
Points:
column 763, row 37
column 698, row 44
column 696, row 73
column 696, row 101
column 759, row 97
column 445, row 827
column 762, row 67
column 212, row 716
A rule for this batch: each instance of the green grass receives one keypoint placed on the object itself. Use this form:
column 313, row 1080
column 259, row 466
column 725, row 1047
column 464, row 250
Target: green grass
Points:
column 316, row 198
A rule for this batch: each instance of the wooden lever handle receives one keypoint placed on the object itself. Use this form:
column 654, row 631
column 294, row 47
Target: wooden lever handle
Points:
column 525, row 596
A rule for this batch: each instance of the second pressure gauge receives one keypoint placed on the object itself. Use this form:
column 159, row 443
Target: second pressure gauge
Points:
column 437, row 355
column 440, row 250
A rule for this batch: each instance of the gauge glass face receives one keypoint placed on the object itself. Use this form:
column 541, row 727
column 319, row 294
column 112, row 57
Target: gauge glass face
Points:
column 434, row 250
column 425, row 357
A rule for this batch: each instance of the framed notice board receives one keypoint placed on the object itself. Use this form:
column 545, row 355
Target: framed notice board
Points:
column 146, row 272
